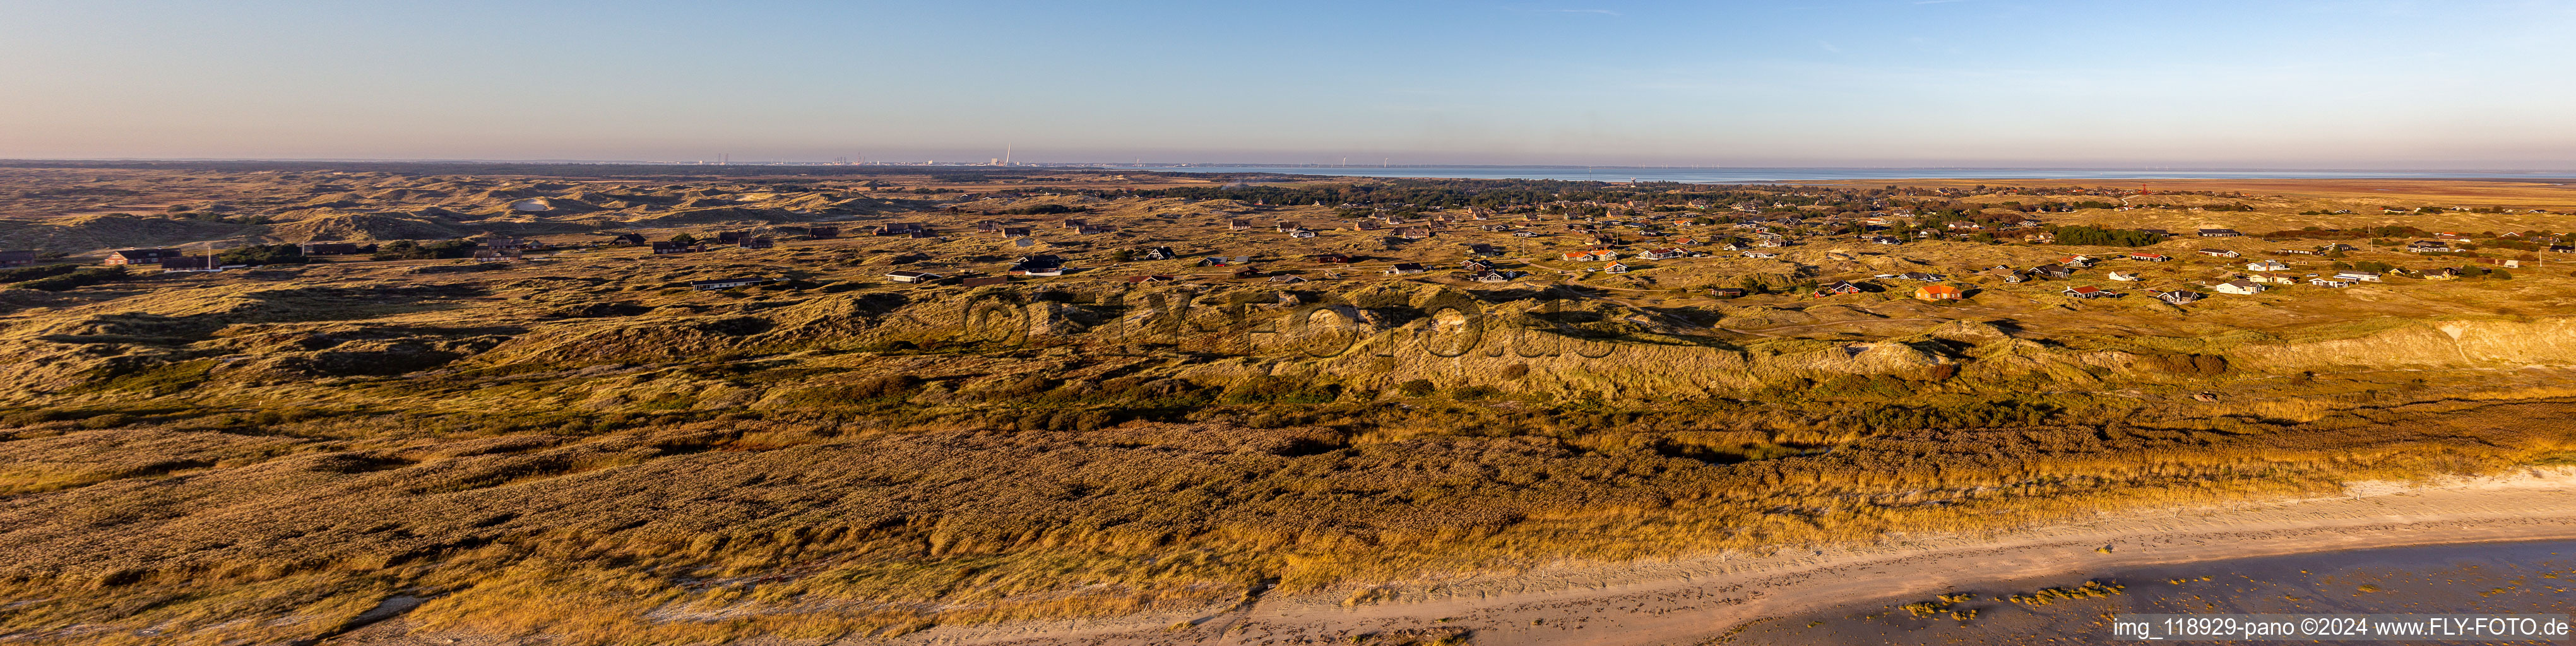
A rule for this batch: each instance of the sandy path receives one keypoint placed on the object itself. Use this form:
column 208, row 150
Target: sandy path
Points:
column 1693, row 600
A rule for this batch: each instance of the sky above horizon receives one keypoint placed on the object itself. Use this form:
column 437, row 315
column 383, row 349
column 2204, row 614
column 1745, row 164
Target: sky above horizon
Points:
column 2243, row 84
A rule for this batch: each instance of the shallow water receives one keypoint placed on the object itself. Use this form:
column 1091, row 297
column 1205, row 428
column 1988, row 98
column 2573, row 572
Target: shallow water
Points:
column 2495, row 578
column 1757, row 175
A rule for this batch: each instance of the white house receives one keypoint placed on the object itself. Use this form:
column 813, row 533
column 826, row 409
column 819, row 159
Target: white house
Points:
column 2358, row 277
column 2239, row 287
column 2265, row 265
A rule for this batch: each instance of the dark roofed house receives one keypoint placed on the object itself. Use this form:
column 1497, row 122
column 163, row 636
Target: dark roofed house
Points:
column 759, row 242
column 823, row 232
column 140, row 256
column 328, row 248
column 662, row 248
column 1093, row 229
column 1837, row 287
column 1075, row 223
column 1015, row 232
column 505, row 243
column 908, row 276
column 725, row 283
column 1331, row 258
column 1483, row 249
column 1238, row 224
column 190, row 263
column 1157, row 253
column 730, row 237
column 901, row 229
column 1403, row 268
column 2180, row 297
column 2220, row 233
column 2053, row 271
column 496, row 255
column 621, row 239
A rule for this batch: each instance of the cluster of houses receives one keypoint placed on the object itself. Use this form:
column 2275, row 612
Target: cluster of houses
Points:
column 165, row 259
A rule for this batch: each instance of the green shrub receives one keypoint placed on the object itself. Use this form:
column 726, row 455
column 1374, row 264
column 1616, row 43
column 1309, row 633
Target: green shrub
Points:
column 110, row 420
column 410, row 250
column 77, row 279
column 1417, row 388
column 22, row 274
column 275, row 254
column 1281, row 390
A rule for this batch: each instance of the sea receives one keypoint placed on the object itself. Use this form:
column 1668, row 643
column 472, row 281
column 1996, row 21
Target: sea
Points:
column 1750, row 175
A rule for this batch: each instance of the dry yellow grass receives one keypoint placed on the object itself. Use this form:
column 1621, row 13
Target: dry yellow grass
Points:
column 575, row 449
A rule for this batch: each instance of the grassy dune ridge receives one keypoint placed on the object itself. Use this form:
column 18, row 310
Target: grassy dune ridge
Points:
column 827, row 492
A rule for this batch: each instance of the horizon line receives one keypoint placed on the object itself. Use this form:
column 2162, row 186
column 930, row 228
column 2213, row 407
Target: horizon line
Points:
column 2571, row 172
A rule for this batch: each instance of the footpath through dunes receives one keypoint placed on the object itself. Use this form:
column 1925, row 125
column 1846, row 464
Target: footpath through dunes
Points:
column 1705, row 599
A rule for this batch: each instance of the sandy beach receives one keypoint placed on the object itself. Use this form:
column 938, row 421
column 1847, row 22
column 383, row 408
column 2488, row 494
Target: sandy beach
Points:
column 1697, row 600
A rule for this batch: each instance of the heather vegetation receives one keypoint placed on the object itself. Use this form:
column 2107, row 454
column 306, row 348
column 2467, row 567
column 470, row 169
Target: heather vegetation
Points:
column 585, row 450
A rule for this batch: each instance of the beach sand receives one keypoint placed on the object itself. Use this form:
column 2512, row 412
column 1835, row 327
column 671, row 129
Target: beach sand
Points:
column 1705, row 599
column 2483, row 578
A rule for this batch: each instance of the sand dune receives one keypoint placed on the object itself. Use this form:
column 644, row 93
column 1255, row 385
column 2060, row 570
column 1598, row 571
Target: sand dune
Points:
column 1693, row 600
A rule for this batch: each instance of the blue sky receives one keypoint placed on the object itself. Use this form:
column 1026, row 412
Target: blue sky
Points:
column 1852, row 83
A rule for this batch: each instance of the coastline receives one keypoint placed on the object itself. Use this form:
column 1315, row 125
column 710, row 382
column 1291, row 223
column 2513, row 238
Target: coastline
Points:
column 1690, row 601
